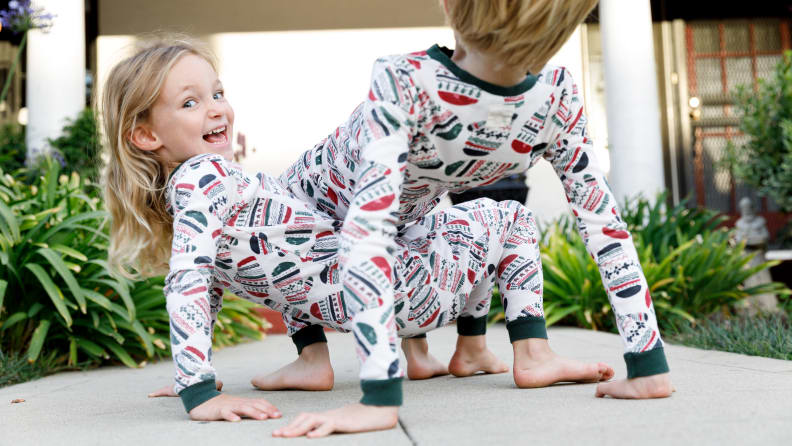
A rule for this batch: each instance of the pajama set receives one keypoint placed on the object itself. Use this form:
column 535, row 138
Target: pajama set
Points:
column 429, row 127
column 250, row 235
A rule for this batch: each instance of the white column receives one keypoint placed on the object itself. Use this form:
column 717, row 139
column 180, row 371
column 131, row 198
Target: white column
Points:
column 633, row 108
column 546, row 196
column 55, row 72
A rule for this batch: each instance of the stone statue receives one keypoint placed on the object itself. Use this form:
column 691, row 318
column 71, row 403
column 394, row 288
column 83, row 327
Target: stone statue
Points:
column 752, row 229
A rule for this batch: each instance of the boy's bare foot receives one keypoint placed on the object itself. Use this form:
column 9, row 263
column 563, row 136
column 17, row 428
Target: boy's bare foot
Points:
column 536, row 365
column 473, row 356
column 655, row 386
column 420, row 364
column 310, row 371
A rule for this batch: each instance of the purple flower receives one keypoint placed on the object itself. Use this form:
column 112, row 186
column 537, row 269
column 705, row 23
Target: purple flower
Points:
column 58, row 157
column 21, row 17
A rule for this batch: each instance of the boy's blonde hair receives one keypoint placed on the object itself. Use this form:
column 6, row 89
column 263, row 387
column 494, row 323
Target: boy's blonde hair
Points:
column 134, row 180
column 522, row 33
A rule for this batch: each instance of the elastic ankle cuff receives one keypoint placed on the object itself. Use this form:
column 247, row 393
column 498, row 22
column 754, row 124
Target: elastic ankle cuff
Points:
column 472, row 326
column 197, row 394
column 382, row 392
column 648, row 363
column 526, row 328
column 307, row 336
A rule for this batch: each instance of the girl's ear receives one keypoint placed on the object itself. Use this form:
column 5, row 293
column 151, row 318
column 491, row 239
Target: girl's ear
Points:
column 144, row 138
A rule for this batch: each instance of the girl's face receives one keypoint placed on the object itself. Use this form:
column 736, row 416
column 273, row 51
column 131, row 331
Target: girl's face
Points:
column 191, row 116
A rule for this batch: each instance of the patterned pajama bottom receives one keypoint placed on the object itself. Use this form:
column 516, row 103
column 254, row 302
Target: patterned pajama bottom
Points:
column 446, row 266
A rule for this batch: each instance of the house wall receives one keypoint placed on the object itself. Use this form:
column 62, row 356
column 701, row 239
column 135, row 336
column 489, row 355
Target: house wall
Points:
column 295, row 70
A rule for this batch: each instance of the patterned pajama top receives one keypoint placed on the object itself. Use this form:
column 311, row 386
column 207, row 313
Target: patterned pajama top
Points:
column 429, row 127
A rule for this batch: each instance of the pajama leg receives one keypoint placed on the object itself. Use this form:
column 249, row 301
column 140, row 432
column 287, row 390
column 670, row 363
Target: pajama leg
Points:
column 519, row 273
column 452, row 259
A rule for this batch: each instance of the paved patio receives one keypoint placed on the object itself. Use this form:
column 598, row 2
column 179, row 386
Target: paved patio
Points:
column 721, row 398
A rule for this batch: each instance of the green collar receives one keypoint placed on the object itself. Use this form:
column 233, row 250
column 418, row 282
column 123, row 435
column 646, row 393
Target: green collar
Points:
column 443, row 55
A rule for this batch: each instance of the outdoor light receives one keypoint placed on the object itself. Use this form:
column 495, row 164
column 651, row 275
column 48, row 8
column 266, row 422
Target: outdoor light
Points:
column 694, row 102
column 22, row 116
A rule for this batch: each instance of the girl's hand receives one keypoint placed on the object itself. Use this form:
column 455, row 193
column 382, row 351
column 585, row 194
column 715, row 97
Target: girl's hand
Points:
column 350, row 418
column 168, row 390
column 232, row 408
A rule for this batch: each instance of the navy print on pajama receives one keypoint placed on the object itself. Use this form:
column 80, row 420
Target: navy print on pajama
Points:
column 251, row 236
column 427, row 128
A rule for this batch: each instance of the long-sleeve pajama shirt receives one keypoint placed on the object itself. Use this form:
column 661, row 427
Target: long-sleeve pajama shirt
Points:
column 250, row 235
column 428, row 127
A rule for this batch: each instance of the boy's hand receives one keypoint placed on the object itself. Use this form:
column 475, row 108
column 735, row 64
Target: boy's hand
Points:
column 655, row 386
column 168, row 390
column 350, row 418
column 232, row 408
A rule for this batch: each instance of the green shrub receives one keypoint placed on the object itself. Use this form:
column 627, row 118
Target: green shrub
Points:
column 12, row 147
column 765, row 161
column 57, row 293
column 80, row 145
column 692, row 268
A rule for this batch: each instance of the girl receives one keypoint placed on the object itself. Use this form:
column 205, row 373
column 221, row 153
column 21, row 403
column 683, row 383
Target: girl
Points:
column 179, row 205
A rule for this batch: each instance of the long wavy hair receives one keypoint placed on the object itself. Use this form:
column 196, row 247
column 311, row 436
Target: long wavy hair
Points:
column 134, row 180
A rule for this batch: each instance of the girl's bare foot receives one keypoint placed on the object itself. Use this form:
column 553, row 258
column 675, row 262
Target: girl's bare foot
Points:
column 536, row 365
column 655, row 386
column 310, row 371
column 420, row 364
column 473, row 356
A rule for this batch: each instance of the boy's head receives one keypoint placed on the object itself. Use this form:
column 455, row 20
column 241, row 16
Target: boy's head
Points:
column 522, row 33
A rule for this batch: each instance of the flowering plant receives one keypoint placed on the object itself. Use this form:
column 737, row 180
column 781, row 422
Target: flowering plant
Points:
column 21, row 17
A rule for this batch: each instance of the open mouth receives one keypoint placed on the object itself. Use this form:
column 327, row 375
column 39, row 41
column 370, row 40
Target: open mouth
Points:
column 217, row 136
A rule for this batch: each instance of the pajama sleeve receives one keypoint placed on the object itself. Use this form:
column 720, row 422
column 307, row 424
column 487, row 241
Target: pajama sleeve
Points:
column 199, row 199
column 605, row 235
column 367, row 240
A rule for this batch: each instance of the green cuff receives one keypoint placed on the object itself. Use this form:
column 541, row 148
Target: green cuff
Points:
column 197, row 394
column 307, row 336
column 526, row 328
column 472, row 326
column 382, row 392
column 648, row 363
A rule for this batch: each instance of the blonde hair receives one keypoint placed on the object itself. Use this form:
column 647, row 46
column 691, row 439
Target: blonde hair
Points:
column 522, row 33
column 134, row 180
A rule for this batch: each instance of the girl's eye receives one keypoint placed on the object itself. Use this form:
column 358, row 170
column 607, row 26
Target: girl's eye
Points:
column 219, row 95
column 189, row 103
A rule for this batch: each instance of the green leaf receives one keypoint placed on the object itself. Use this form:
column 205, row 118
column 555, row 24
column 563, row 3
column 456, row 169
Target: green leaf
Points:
column 57, row 263
column 37, row 341
column 10, row 220
column 52, row 291
column 72, row 351
column 119, row 352
column 144, row 337
column 91, row 348
column 121, row 289
column 13, row 319
column 558, row 315
column 70, row 252
column 3, row 287
column 71, row 223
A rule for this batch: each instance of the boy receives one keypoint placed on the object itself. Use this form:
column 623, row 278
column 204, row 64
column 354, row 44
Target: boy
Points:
column 441, row 120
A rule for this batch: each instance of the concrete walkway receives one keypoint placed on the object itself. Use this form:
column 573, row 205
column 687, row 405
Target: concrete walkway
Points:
column 721, row 398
